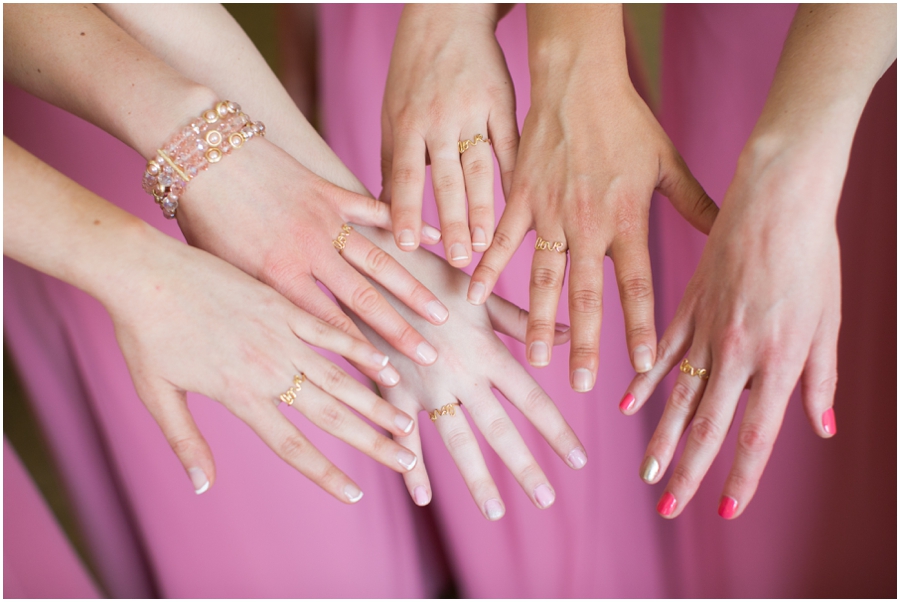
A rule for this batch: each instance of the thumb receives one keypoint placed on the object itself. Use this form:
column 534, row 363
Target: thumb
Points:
column 683, row 190
column 168, row 407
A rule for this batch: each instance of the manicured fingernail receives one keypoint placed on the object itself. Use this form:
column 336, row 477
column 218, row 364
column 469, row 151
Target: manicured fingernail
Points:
column 544, row 496
column 404, row 423
column 582, row 380
column 643, row 359
column 407, row 238
column 828, row 422
column 479, row 238
column 430, row 234
column 389, row 376
column 539, row 354
column 626, row 402
column 727, row 506
column 562, row 328
column 380, row 359
column 649, row 469
column 458, row 252
column 576, row 458
column 420, row 495
column 199, row 480
column 406, row 459
column 476, row 293
column 426, row 353
column 352, row 493
column 437, row 311
column 493, row 509
column 666, row 504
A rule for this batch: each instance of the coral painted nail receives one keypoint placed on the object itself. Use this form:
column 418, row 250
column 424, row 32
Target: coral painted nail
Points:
column 627, row 402
column 666, row 504
column 828, row 422
column 727, row 506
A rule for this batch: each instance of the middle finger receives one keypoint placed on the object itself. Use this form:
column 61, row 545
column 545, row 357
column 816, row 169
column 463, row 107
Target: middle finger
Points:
column 450, row 196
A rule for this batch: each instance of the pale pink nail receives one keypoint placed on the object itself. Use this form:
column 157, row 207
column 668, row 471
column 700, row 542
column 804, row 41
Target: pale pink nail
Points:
column 380, row 359
column 828, row 423
column 432, row 235
column 198, row 480
column 544, row 496
column 406, row 459
column 576, row 458
column 562, row 328
column 407, row 238
column 643, row 359
column 539, row 354
column 476, row 293
column 727, row 506
column 582, row 380
column 666, row 504
column 458, row 252
column 627, row 402
column 479, row 238
column 420, row 495
column 352, row 493
column 493, row 509
column 426, row 353
column 437, row 311
column 389, row 376
column 404, row 423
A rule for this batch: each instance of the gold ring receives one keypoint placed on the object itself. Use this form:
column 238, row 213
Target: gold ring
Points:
column 464, row 145
column 447, row 410
column 701, row 373
column 546, row 245
column 341, row 241
column 290, row 395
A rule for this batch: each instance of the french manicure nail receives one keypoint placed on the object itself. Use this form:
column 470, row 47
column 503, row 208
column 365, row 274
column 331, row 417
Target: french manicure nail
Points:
column 576, row 458
column 476, row 293
column 539, row 354
column 626, row 402
column 479, row 239
column 432, row 235
column 407, row 238
column 493, row 509
column 828, row 423
column 199, row 480
column 381, row 359
column 643, row 359
column 649, row 469
column 582, row 380
column 406, row 459
column 420, row 495
column 458, row 252
column 389, row 376
column 437, row 311
column 352, row 493
column 666, row 504
column 426, row 353
column 727, row 506
column 404, row 423
column 544, row 496
column 562, row 328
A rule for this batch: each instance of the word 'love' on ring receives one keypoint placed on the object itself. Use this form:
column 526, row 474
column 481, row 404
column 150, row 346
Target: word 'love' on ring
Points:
column 341, row 241
column 701, row 373
column 465, row 145
column 290, row 395
column 447, row 410
column 546, row 245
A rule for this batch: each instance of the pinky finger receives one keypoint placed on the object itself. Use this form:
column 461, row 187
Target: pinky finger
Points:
column 417, row 482
column 819, row 382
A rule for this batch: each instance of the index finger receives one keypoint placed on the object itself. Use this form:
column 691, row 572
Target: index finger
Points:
column 407, row 188
column 514, row 223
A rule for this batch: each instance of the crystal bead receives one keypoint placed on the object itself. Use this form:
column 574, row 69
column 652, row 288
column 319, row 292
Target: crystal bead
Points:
column 165, row 180
column 192, row 171
column 170, row 204
column 234, row 107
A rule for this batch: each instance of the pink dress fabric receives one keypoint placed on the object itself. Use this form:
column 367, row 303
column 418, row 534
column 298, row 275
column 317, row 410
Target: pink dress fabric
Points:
column 264, row 530
column 823, row 522
column 38, row 561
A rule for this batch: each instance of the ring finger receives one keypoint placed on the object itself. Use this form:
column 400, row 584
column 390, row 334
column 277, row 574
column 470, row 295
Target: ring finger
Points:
column 450, row 196
column 478, row 169
column 548, row 271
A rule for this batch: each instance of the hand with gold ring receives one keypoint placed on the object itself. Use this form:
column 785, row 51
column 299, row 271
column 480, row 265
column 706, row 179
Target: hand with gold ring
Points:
column 590, row 158
column 449, row 101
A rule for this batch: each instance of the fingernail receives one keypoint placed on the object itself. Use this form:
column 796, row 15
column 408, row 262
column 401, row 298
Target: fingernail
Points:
column 476, row 293
column 626, row 402
column 727, row 506
column 420, row 495
column 649, row 469
column 479, row 239
column 432, row 235
column 426, row 353
column 493, row 509
column 406, row 459
column 404, row 423
column 828, row 422
column 407, row 238
column 199, row 480
column 381, row 359
column 562, row 328
column 643, row 359
column 458, row 252
column 352, row 493
column 539, row 354
column 389, row 376
column 544, row 496
column 437, row 311
column 582, row 380
column 576, row 458
column 666, row 504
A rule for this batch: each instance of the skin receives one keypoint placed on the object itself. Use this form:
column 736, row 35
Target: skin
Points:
column 181, row 314
column 763, row 307
column 590, row 158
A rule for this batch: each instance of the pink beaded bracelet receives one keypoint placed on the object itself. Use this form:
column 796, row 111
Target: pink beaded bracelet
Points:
column 203, row 141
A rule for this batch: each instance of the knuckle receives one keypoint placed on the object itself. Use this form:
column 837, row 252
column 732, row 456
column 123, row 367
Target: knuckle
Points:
column 332, row 417
column 481, row 213
column 405, row 175
column 447, row 183
column 498, row 428
column 545, row 279
column 377, row 261
column 682, row 478
column 328, row 477
column 586, row 301
column 458, row 441
column 292, row 447
column 503, row 242
column 181, row 445
column 738, row 481
column 682, row 397
column 365, row 299
column 705, row 431
column 535, row 401
column 334, row 378
column 730, row 342
column 752, row 438
column 636, row 288
column 585, row 352
column 477, row 168
column 505, row 144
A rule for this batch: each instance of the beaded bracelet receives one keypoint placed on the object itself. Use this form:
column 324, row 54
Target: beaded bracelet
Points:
column 203, row 141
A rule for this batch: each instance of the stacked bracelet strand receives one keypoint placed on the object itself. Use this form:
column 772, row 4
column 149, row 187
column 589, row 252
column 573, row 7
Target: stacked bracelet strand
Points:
column 204, row 140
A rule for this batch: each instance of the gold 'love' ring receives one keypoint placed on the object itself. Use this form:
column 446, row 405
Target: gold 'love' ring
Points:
column 465, row 145
column 547, row 245
column 341, row 241
column 290, row 395
column 701, row 373
column 447, row 410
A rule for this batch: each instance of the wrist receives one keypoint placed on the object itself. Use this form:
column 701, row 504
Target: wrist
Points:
column 464, row 15
column 149, row 125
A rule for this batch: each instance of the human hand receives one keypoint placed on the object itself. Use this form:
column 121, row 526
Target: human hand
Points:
column 447, row 82
column 187, row 321
column 763, row 309
column 265, row 213
column 472, row 361
column 590, row 157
